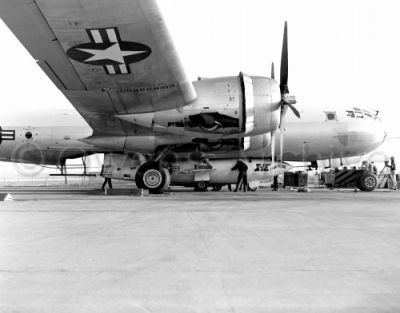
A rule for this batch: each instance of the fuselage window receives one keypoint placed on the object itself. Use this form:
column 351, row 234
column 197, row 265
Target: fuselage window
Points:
column 28, row 135
column 331, row 116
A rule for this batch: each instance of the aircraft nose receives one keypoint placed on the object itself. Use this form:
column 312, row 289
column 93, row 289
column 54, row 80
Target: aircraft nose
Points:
column 378, row 132
column 368, row 135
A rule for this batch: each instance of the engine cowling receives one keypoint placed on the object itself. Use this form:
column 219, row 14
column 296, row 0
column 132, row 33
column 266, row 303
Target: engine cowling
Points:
column 229, row 109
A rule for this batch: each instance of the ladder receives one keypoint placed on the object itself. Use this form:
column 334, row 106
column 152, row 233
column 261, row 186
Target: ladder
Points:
column 383, row 179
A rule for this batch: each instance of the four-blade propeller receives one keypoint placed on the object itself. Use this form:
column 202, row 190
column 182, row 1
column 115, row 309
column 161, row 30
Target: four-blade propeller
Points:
column 287, row 101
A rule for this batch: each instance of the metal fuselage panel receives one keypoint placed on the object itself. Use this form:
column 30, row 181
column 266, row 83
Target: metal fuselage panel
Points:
column 44, row 145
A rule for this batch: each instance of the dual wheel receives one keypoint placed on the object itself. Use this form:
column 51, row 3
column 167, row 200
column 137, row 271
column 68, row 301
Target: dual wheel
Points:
column 367, row 182
column 153, row 177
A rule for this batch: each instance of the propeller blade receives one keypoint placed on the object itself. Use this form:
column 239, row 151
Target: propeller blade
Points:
column 273, row 71
column 282, row 128
column 285, row 63
column 295, row 111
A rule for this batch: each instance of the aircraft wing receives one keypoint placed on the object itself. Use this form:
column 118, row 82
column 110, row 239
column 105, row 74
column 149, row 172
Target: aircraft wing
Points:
column 107, row 57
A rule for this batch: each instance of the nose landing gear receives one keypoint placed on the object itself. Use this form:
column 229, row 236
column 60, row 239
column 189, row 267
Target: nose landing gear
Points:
column 367, row 182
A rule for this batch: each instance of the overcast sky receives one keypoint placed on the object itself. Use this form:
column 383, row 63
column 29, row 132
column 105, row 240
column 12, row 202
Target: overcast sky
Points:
column 342, row 53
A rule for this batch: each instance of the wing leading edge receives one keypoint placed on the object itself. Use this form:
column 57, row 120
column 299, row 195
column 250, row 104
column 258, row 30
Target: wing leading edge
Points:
column 108, row 57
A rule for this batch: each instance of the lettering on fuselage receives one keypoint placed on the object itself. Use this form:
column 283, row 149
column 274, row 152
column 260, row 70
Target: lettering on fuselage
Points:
column 262, row 168
column 265, row 167
column 6, row 135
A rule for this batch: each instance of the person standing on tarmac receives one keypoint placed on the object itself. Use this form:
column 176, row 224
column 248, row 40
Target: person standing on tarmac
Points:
column 106, row 179
column 242, row 176
column 275, row 185
column 392, row 167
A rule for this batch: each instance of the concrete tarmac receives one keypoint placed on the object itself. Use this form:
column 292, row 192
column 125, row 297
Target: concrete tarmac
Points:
column 80, row 251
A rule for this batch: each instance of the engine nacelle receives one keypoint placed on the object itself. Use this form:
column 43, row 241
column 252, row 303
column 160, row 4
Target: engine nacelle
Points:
column 225, row 109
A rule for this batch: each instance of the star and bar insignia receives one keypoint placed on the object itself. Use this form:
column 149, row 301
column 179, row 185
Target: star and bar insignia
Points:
column 107, row 49
column 6, row 135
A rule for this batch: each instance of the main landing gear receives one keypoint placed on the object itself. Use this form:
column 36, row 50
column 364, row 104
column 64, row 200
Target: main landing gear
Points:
column 153, row 176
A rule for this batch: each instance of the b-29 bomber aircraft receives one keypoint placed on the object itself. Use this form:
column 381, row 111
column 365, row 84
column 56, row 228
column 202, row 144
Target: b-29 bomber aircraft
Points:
column 116, row 64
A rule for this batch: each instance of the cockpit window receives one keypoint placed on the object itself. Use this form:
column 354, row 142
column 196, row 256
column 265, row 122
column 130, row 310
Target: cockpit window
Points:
column 331, row 116
column 367, row 113
column 359, row 113
column 364, row 114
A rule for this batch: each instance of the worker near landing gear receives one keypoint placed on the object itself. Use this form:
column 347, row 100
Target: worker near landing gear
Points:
column 372, row 168
column 392, row 176
column 275, row 185
column 242, row 176
column 106, row 180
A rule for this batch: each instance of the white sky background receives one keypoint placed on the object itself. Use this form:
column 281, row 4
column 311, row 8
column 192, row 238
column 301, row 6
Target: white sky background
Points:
column 342, row 53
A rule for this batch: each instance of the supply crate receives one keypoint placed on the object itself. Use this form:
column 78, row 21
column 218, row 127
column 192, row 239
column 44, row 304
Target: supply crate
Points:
column 313, row 179
column 289, row 179
column 329, row 179
column 301, row 179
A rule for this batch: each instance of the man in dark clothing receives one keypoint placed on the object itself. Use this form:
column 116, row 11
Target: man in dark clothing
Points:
column 275, row 185
column 106, row 180
column 242, row 176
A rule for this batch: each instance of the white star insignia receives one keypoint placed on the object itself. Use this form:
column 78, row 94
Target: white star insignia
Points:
column 113, row 53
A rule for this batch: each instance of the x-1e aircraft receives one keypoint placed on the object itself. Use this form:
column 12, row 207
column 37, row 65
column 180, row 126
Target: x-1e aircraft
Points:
column 116, row 63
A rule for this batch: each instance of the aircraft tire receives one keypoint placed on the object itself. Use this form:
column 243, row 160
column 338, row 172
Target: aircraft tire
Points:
column 167, row 179
column 201, row 186
column 139, row 175
column 153, row 178
column 367, row 182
